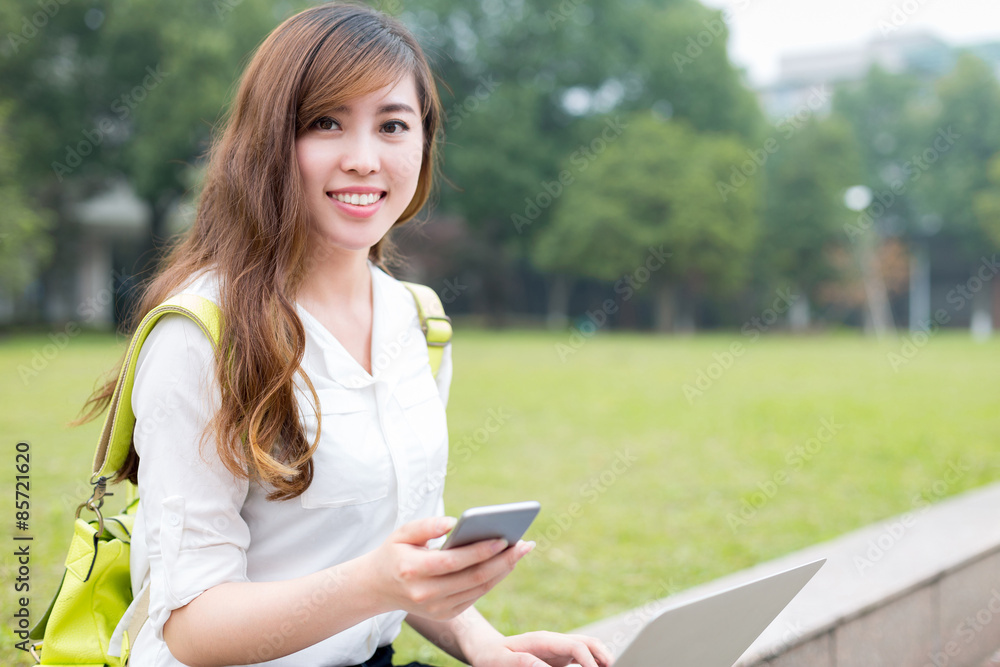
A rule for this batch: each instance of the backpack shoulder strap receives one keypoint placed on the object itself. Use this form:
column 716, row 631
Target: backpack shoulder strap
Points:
column 433, row 321
column 116, row 437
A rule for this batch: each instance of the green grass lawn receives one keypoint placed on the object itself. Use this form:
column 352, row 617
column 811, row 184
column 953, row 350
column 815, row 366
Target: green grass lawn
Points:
column 644, row 490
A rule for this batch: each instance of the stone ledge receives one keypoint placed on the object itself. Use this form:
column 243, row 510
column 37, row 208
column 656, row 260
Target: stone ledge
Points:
column 898, row 592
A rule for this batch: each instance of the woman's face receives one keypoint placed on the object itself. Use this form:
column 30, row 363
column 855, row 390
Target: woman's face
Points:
column 360, row 164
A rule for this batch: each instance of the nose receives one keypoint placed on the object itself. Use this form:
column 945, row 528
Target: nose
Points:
column 361, row 155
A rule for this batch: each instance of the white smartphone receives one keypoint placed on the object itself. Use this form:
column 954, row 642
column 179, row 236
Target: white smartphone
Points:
column 508, row 521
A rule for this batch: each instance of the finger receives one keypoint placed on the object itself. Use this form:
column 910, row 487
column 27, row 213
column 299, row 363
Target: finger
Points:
column 597, row 648
column 493, row 570
column 528, row 660
column 471, row 585
column 450, row 561
column 419, row 532
column 582, row 655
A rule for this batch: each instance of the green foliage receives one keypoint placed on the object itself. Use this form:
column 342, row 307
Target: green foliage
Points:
column 655, row 186
column 804, row 211
column 890, row 116
column 24, row 240
column 987, row 203
column 109, row 88
column 970, row 104
column 508, row 137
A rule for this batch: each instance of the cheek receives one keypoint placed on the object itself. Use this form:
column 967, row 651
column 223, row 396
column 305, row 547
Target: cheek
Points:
column 308, row 158
column 407, row 163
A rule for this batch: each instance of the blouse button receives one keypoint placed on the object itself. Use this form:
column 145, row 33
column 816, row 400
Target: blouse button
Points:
column 174, row 520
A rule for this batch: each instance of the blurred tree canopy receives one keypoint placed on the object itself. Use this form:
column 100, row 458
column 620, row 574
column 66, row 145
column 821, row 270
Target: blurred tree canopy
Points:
column 100, row 89
column 653, row 193
column 24, row 240
column 970, row 116
column 535, row 83
column 578, row 135
column 804, row 212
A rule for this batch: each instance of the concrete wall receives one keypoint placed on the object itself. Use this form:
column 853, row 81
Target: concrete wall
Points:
column 921, row 589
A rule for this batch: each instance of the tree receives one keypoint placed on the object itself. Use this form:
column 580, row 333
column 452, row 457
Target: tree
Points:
column 104, row 90
column 654, row 192
column 987, row 210
column 970, row 116
column 804, row 211
column 24, row 240
column 965, row 136
column 889, row 115
column 533, row 83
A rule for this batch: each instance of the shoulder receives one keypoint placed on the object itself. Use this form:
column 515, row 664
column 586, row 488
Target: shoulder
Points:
column 397, row 296
column 176, row 346
column 204, row 283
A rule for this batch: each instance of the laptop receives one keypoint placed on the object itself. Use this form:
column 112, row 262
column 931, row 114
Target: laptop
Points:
column 714, row 631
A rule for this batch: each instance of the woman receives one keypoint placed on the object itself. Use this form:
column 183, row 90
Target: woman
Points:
column 285, row 511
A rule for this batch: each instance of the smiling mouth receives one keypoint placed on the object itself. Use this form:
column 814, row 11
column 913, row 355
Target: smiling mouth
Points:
column 356, row 199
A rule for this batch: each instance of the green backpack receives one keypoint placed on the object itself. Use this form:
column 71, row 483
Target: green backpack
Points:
column 96, row 589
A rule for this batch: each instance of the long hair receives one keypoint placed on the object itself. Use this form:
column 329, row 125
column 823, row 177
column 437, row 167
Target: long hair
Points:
column 252, row 228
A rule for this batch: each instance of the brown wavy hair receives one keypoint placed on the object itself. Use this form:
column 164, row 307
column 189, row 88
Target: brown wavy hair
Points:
column 252, row 227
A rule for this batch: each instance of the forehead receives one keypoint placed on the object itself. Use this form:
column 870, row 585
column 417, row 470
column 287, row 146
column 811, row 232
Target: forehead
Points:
column 397, row 97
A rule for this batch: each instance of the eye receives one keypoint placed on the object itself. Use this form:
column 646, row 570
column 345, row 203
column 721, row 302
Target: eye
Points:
column 395, row 127
column 325, row 123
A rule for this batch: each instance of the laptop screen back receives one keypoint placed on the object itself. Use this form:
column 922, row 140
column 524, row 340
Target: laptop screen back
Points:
column 715, row 630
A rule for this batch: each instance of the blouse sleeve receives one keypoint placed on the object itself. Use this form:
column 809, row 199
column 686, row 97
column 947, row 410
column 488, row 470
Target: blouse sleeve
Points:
column 189, row 503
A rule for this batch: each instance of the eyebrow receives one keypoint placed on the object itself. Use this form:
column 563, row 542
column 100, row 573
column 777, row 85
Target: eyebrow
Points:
column 397, row 107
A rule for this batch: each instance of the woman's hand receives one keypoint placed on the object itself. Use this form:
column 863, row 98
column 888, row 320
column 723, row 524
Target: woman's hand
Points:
column 437, row 584
column 543, row 649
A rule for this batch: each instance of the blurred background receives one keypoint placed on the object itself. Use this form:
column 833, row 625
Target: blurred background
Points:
column 846, row 155
column 812, row 188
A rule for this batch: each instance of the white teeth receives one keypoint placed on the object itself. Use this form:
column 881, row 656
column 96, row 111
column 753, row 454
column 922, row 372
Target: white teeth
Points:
column 358, row 200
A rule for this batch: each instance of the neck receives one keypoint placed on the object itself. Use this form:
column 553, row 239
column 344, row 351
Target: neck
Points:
column 336, row 277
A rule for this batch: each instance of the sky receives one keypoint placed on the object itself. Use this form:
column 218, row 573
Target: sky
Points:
column 763, row 30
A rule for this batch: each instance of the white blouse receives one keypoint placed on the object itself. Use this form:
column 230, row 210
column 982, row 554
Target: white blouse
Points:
column 380, row 463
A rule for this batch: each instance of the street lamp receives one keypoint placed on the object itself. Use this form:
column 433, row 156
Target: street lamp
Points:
column 858, row 198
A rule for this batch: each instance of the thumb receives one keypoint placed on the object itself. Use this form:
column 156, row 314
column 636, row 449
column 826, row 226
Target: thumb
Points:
column 420, row 531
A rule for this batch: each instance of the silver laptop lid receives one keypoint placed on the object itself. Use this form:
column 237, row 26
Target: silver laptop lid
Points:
column 714, row 631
